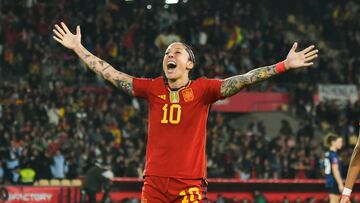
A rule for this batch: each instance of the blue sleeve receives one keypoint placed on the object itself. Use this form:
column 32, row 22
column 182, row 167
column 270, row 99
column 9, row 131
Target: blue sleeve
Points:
column 334, row 158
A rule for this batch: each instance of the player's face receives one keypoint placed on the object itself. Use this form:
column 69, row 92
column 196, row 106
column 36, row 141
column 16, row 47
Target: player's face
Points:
column 339, row 143
column 176, row 62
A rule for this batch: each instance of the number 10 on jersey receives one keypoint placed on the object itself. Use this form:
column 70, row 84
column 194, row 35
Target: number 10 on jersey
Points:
column 171, row 114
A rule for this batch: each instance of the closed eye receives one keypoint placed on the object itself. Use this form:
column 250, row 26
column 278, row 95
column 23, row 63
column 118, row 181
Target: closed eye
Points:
column 176, row 52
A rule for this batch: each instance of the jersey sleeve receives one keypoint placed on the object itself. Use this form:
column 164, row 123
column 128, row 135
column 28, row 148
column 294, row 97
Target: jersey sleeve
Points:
column 141, row 87
column 334, row 159
column 212, row 90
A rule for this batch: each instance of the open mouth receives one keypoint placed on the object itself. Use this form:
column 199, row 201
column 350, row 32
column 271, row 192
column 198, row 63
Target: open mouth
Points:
column 171, row 64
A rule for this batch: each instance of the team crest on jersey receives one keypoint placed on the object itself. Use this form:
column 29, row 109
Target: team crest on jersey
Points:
column 188, row 94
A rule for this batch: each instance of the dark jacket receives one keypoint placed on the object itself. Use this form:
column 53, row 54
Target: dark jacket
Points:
column 94, row 180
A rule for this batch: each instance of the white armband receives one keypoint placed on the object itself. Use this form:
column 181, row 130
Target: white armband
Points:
column 346, row 191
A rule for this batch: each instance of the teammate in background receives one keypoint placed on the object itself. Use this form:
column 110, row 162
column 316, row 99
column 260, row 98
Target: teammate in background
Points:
column 353, row 172
column 175, row 168
column 334, row 183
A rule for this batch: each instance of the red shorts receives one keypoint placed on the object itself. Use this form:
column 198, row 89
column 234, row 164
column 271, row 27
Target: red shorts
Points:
column 164, row 190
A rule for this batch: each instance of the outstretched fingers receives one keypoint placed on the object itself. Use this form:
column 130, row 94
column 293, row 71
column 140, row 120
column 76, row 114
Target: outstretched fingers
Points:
column 311, row 53
column 311, row 58
column 309, row 48
column 65, row 27
column 58, row 34
column 78, row 32
column 308, row 64
column 60, row 30
column 293, row 48
column 57, row 39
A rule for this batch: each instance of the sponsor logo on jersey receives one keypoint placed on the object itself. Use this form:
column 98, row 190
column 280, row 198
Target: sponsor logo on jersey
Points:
column 162, row 96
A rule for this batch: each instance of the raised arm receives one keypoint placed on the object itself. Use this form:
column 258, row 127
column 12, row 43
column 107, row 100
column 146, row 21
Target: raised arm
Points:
column 304, row 58
column 353, row 172
column 73, row 41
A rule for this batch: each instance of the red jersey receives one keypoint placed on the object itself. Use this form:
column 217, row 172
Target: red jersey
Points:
column 177, row 126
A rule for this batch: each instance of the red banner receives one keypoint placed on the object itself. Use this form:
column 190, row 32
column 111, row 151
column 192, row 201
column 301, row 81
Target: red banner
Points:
column 252, row 101
column 33, row 194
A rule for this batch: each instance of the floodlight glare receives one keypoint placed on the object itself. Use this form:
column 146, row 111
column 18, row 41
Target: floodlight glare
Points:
column 171, row 1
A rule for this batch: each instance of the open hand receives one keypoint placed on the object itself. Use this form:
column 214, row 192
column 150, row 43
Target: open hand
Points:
column 302, row 58
column 65, row 37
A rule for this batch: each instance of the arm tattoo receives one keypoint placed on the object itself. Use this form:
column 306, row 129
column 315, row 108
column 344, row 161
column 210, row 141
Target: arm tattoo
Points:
column 106, row 71
column 106, row 68
column 127, row 86
column 233, row 85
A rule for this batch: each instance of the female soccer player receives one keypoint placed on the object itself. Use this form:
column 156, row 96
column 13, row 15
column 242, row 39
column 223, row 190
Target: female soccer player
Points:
column 333, row 183
column 175, row 167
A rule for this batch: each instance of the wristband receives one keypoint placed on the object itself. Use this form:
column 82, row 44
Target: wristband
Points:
column 280, row 67
column 346, row 192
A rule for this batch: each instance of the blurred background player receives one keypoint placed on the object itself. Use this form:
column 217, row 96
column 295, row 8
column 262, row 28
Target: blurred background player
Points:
column 352, row 174
column 98, row 178
column 334, row 182
column 175, row 168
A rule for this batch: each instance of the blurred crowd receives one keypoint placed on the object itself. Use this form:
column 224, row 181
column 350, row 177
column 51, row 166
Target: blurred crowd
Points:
column 58, row 118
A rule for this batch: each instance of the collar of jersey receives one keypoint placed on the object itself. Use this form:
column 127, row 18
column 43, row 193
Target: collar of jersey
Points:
column 178, row 89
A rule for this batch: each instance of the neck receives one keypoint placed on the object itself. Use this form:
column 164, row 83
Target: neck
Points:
column 175, row 84
column 333, row 149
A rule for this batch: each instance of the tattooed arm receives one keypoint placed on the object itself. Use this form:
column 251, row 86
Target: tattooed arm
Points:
column 102, row 68
column 233, row 85
column 304, row 58
column 105, row 70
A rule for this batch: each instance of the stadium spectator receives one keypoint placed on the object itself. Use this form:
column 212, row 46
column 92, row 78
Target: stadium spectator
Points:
column 59, row 167
column 2, row 173
column 13, row 162
column 27, row 175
